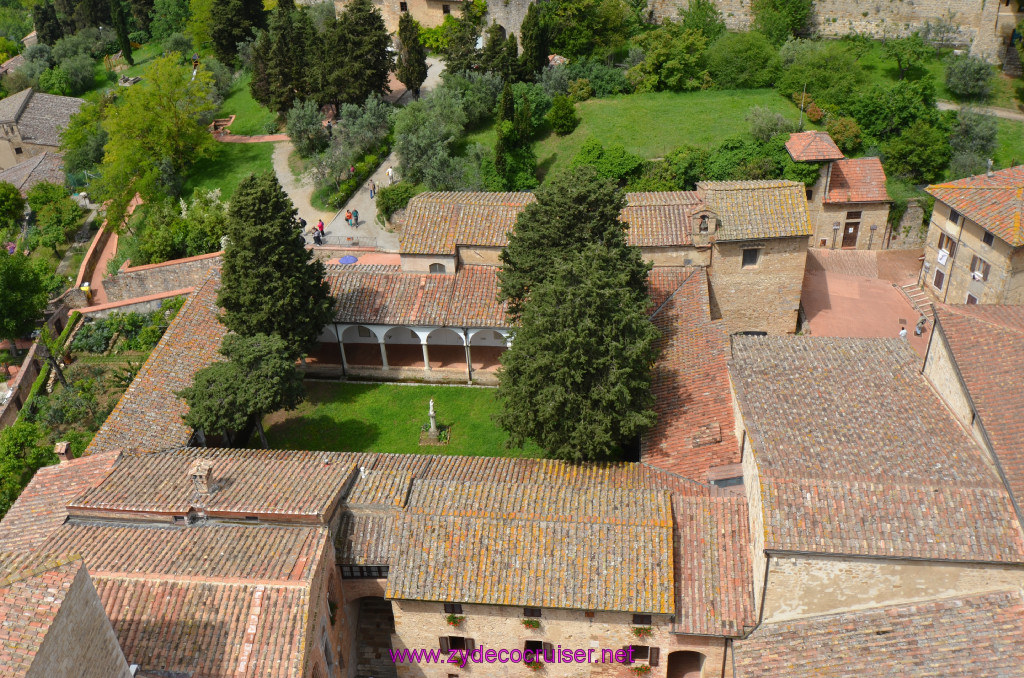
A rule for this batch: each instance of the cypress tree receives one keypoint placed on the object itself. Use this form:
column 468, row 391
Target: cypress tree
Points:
column 411, row 69
column 494, row 44
column 48, row 28
column 270, row 282
column 232, row 22
column 367, row 62
column 534, row 34
column 119, row 17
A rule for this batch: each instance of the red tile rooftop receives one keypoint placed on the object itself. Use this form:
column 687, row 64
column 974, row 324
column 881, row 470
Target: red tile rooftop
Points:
column 812, row 146
column 995, row 202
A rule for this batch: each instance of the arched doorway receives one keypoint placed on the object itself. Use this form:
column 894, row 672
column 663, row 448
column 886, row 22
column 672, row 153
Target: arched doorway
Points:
column 446, row 349
column 361, row 346
column 685, row 665
column 486, row 347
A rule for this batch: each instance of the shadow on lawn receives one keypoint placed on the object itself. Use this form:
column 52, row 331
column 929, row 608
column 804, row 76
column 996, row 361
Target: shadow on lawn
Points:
column 298, row 432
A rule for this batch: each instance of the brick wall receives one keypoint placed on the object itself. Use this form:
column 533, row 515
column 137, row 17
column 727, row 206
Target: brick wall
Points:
column 142, row 281
column 765, row 297
column 20, row 387
column 81, row 641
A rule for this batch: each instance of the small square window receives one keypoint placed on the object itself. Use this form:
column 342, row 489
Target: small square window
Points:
column 531, row 612
column 971, row 300
column 810, row 193
column 940, row 278
column 453, row 608
column 751, row 257
column 642, row 619
column 988, row 238
column 954, row 216
column 533, row 645
column 853, row 216
column 589, row 614
column 446, row 9
column 980, row 269
column 17, row 151
column 404, row 7
column 456, row 642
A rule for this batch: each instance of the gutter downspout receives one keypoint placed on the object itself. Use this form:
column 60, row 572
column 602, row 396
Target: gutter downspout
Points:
column 952, row 263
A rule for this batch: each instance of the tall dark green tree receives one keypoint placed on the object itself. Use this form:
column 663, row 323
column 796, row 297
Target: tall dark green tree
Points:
column 494, row 45
column 534, row 38
column 281, row 72
column 232, row 22
column 119, row 17
column 572, row 209
column 461, row 53
column 577, row 378
column 232, row 397
column 507, row 65
column 48, row 28
column 22, row 295
column 366, row 61
column 142, row 11
column 411, row 69
column 270, row 282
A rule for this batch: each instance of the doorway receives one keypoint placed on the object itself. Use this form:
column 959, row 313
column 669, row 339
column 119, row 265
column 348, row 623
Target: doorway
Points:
column 685, row 665
column 850, row 235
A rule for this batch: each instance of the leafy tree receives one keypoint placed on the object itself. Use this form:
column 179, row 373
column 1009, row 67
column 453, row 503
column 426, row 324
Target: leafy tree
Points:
column 494, row 46
column 83, row 139
column 390, row 199
column 612, row 162
column 460, row 52
column 411, row 69
column 562, row 116
column 845, row 132
column 478, row 92
column 425, row 131
column 119, row 17
column 57, row 221
column 270, row 282
column 826, row 68
column 306, row 128
column 158, row 130
column 534, row 39
column 779, row 20
column 882, row 110
column 703, row 16
column 968, row 77
column 200, row 21
column 673, row 60
column 973, row 140
column 182, row 44
column 22, row 452
column 48, row 28
column 514, row 161
column 907, row 52
column 920, row 153
column 579, row 28
column 605, row 80
column 743, row 61
column 12, row 205
column 55, row 81
column 232, row 22
column 259, row 377
column 44, row 193
column 169, row 17
column 22, row 294
column 80, row 71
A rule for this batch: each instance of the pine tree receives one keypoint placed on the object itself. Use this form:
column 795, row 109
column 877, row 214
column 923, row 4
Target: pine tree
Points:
column 232, row 22
column 577, row 378
column 494, row 45
column 281, row 74
column 508, row 62
column 534, row 34
column 367, row 62
column 119, row 17
column 48, row 28
column 142, row 11
column 461, row 53
column 270, row 282
column 412, row 55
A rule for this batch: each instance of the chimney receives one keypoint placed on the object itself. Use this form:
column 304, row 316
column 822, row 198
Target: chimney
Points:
column 201, row 473
column 63, row 451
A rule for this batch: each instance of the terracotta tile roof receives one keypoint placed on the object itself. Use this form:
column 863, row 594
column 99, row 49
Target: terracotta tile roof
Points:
column 660, row 219
column 40, row 509
column 46, row 166
column 987, row 343
column 714, row 583
column 435, row 223
column 976, row 635
column 857, row 180
column 266, row 483
column 383, row 489
column 148, row 415
column 995, row 202
column 32, row 590
column 749, row 210
column 812, row 146
column 857, row 455
column 40, row 117
column 365, row 538
column 387, row 296
column 694, row 430
column 12, row 64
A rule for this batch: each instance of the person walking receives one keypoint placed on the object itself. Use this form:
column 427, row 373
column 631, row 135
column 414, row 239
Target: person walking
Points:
column 355, row 218
column 320, row 227
column 351, row 170
column 373, row 188
column 391, row 176
column 348, row 217
column 903, row 333
column 317, row 240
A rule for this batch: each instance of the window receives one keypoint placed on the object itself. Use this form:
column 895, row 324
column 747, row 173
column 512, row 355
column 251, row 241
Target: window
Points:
column 940, row 278
column 364, row 332
column 853, row 216
column 17, row 150
column 589, row 614
column 533, row 646
column 403, row 7
column 823, row 242
column 947, row 244
column 453, row 608
column 971, row 300
column 988, row 238
column 437, row 268
column 954, row 217
column 980, row 269
column 703, row 223
column 810, row 193
column 641, row 652
column 446, row 9
column 364, row 571
column 642, row 619
column 531, row 612
column 750, row 258
column 448, row 643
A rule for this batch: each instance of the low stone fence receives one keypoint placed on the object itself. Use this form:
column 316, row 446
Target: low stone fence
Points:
column 92, row 256
column 170, row 276
column 145, row 304
column 20, row 387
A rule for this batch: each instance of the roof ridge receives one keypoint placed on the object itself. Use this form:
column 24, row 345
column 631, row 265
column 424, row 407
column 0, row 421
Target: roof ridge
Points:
column 117, row 575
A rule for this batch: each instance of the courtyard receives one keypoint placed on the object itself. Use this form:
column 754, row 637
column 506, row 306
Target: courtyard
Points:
column 364, row 417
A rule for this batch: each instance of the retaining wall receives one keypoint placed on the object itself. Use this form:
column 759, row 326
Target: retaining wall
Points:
column 154, row 279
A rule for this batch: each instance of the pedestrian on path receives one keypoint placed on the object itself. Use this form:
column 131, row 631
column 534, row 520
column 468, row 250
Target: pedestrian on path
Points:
column 330, row 129
column 391, row 176
column 317, row 240
column 373, row 188
column 348, row 217
column 320, row 227
column 351, row 170
column 903, row 333
column 355, row 218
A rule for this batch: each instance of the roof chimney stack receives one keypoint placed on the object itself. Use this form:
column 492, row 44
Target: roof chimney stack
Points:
column 63, row 451
column 201, row 473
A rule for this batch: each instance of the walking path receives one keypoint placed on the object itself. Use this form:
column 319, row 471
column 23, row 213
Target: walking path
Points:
column 1004, row 113
column 242, row 139
column 300, row 191
column 368, row 228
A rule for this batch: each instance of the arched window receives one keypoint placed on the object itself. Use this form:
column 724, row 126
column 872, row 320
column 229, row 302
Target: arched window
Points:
column 437, row 268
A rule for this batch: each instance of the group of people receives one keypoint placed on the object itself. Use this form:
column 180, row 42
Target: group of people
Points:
column 317, row 230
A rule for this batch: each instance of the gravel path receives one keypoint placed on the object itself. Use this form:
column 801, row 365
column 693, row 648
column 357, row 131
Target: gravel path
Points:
column 1004, row 113
column 300, row 191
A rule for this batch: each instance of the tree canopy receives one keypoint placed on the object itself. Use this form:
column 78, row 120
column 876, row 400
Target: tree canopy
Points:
column 411, row 69
column 22, row 294
column 232, row 22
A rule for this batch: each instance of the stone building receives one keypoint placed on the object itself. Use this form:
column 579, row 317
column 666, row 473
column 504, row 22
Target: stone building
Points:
column 47, row 166
column 974, row 252
column 849, row 204
column 31, row 123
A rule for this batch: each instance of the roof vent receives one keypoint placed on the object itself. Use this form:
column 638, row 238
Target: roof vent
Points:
column 63, row 451
column 201, row 473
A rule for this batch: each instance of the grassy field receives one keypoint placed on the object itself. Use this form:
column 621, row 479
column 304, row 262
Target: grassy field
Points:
column 1010, row 150
column 231, row 164
column 388, row 417
column 251, row 118
column 651, row 125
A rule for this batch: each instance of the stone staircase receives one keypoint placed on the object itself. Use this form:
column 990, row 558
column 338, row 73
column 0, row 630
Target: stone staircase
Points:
column 919, row 300
column 1011, row 62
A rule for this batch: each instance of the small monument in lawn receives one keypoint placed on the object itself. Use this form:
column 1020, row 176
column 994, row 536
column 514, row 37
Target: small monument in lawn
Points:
column 433, row 420
column 434, row 435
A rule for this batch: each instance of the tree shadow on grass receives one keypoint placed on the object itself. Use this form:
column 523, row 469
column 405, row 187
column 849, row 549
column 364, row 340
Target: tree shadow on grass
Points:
column 321, row 432
column 544, row 166
column 329, row 393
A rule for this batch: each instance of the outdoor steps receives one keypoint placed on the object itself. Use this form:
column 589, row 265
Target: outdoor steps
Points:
column 919, row 300
column 1011, row 62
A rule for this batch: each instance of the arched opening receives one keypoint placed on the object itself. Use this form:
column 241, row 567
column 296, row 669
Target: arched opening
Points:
column 446, row 349
column 685, row 665
column 437, row 268
column 486, row 347
column 325, row 352
column 361, row 346
column 374, row 625
column 403, row 347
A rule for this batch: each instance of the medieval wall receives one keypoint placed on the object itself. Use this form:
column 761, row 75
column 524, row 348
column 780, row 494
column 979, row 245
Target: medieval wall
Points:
column 764, row 297
column 143, row 281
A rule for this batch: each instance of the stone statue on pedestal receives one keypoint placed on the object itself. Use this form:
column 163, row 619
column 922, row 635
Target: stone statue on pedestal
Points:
column 433, row 420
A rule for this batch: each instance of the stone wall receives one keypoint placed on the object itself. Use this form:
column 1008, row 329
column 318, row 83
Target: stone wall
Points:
column 20, row 387
column 755, row 514
column 765, row 297
column 801, row 586
column 143, row 281
column 509, row 14
column 420, row 263
column 911, row 232
column 80, row 641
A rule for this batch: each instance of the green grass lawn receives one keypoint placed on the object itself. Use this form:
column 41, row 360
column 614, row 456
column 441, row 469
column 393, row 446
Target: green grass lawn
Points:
column 230, row 164
column 251, row 118
column 388, row 417
column 1010, row 149
column 650, row 125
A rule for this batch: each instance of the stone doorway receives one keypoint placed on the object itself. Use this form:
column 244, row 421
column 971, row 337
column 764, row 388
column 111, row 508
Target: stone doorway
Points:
column 685, row 665
column 374, row 626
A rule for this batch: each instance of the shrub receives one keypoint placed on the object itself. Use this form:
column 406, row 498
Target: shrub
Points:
column 826, row 68
column 673, row 60
column 845, row 132
column 883, row 111
column 919, row 154
column 966, row 165
column 703, row 16
column 814, row 114
column 779, row 20
column 93, row 337
column 44, row 193
column 973, row 134
column 562, row 116
column 743, row 61
column 390, row 199
column 222, row 76
column 765, row 123
column 613, row 162
column 478, row 92
column 80, row 70
column 606, row 80
column 539, row 101
column 968, row 77
column 306, row 129
column 180, row 43
column 55, row 81
column 555, row 80
column 580, row 90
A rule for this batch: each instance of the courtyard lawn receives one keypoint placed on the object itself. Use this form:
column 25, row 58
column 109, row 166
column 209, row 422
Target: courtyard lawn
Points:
column 230, row 164
column 650, row 125
column 1010, row 149
column 250, row 117
column 354, row 417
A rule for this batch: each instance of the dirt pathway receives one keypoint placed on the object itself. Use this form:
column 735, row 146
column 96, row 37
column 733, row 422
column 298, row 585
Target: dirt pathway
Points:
column 300, row 191
column 368, row 229
column 1004, row 113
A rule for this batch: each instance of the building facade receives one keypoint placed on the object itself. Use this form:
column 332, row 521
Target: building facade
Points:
column 31, row 123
